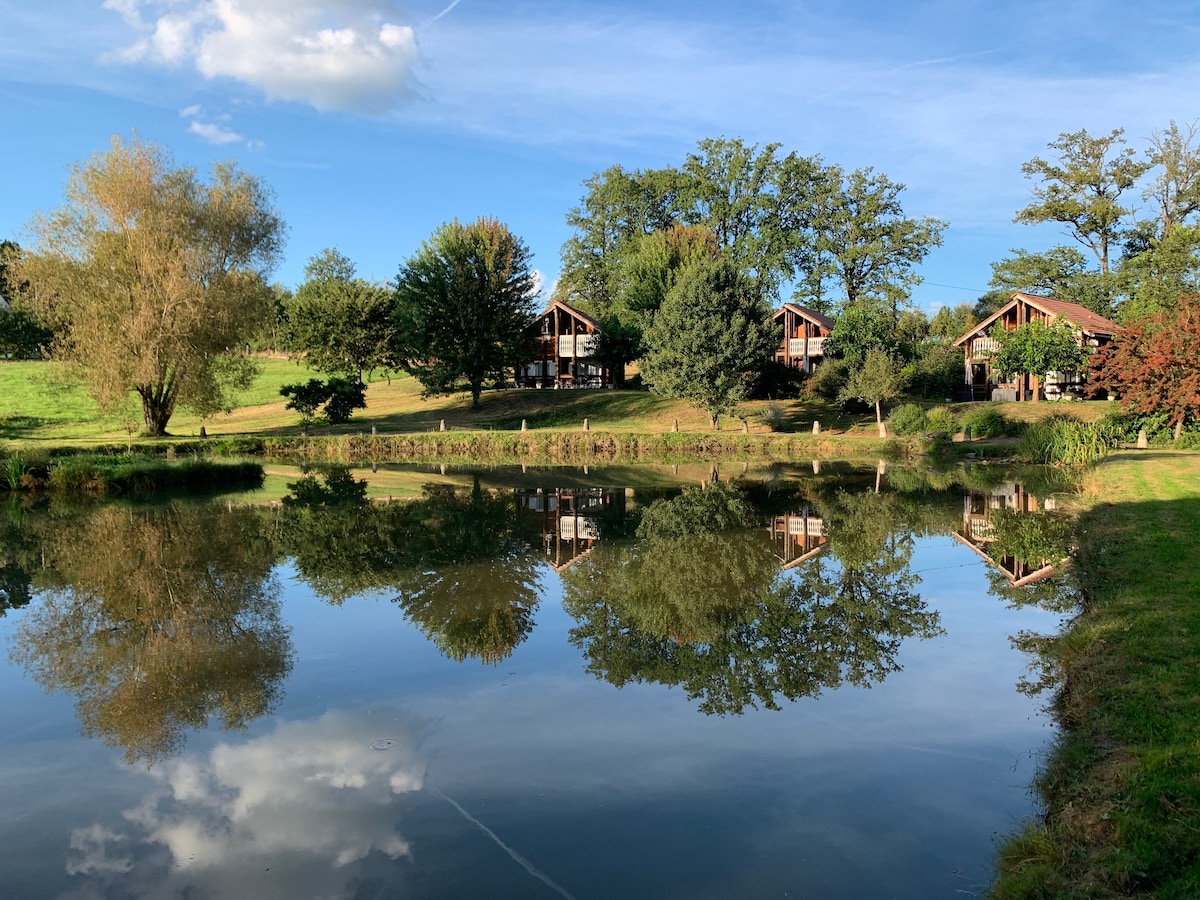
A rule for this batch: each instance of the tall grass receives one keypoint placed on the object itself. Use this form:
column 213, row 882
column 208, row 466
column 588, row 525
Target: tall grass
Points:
column 1064, row 440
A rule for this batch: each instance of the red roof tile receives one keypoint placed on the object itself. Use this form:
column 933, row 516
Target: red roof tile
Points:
column 812, row 315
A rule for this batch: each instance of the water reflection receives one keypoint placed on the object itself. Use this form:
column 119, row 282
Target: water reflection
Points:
column 1019, row 533
column 743, row 594
column 292, row 813
column 156, row 621
column 700, row 602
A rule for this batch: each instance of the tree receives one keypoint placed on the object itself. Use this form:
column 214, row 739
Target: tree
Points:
column 463, row 306
column 951, row 322
column 338, row 396
column 155, row 276
column 1038, row 349
column 708, row 339
column 865, row 246
column 878, row 379
column 343, row 325
column 1154, row 365
column 1082, row 189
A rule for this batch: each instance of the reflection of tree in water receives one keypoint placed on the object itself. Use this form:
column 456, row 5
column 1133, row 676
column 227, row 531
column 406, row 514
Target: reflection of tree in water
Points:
column 161, row 619
column 461, row 570
column 701, row 603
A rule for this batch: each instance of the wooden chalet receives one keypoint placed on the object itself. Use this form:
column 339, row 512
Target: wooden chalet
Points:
column 1092, row 330
column 565, row 347
column 804, row 333
column 978, row 532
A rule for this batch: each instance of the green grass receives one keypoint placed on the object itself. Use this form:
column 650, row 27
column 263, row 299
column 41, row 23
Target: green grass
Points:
column 37, row 403
column 1122, row 786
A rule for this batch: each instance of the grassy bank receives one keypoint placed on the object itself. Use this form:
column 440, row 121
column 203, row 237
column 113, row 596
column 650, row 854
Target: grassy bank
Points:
column 1122, row 786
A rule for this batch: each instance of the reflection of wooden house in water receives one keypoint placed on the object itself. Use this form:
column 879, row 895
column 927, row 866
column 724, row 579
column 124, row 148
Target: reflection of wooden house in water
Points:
column 569, row 518
column 565, row 347
column 978, row 530
column 798, row 536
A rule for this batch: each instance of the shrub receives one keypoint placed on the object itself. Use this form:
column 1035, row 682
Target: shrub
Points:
column 906, row 419
column 942, row 418
column 986, row 422
column 772, row 416
column 937, row 371
column 339, row 396
column 776, row 381
column 828, row 379
column 1064, row 440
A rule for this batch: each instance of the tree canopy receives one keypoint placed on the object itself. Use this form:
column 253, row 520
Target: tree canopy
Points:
column 1038, row 349
column 463, row 306
column 1154, row 366
column 342, row 324
column 709, row 338
column 155, row 276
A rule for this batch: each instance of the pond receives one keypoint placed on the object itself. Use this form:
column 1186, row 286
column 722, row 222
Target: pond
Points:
column 710, row 681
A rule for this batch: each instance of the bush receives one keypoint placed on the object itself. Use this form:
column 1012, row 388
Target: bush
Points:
column 937, row 372
column 775, row 381
column 772, row 416
column 942, row 418
column 906, row 419
column 339, row 396
column 986, row 422
column 1064, row 440
column 828, row 379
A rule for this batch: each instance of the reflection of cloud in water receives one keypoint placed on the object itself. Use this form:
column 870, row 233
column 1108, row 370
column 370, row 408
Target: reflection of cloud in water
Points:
column 306, row 801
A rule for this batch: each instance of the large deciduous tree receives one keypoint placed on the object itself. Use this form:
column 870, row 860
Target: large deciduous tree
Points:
column 1154, row 365
column 1083, row 187
column 463, row 305
column 709, row 338
column 343, row 324
column 865, row 247
column 155, row 276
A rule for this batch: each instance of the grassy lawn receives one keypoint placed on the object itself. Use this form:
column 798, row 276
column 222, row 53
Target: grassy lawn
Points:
column 37, row 408
column 1122, row 787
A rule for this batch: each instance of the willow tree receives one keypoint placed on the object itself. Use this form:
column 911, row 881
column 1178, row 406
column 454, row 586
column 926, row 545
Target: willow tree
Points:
column 155, row 277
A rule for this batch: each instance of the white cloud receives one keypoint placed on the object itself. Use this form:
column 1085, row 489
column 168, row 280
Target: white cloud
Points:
column 190, row 112
column 315, row 793
column 347, row 56
column 215, row 134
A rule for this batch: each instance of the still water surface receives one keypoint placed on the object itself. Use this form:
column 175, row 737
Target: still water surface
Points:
column 551, row 683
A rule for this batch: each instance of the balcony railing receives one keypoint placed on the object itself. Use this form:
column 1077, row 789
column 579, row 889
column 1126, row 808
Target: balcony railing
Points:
column 577, row 345
column 816, row 346
column 983, row 347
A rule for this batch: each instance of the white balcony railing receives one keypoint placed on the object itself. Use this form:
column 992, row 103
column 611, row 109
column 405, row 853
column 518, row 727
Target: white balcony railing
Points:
column 982, row 347
column 577, row 345
column 796, row 346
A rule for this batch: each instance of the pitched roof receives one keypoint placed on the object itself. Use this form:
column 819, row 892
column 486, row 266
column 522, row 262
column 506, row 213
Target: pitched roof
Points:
column 1087, row 321
column 569, row 310
column 811, row 314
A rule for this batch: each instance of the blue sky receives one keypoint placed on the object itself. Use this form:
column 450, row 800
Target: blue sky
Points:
column 374, row 122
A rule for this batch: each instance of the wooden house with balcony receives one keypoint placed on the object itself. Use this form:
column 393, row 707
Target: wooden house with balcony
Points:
column 1091, row 329
column 804, row 333
column 565, row 340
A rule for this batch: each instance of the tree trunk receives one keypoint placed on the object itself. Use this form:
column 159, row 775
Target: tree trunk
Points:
column 714, row 421
column 158, row 404
column 1179, row 428
column 879, row 419
column 476, row 390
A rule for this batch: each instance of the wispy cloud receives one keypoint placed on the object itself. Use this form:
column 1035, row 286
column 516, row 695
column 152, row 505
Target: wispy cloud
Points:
column 350, row 56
